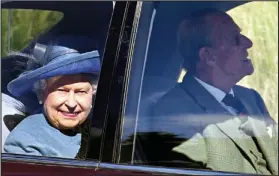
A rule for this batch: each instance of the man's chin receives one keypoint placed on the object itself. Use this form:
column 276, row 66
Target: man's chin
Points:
column 250, row 70
column 243, row 73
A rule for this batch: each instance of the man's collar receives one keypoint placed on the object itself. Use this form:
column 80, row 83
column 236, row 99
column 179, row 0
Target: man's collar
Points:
column 217, row 93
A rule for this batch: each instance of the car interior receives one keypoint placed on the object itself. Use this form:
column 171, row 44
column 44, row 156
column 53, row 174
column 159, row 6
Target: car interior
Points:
column 162, row 69
column 80, row 19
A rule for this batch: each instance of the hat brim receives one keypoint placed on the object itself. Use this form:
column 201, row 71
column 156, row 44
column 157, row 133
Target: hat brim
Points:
column 84, row 63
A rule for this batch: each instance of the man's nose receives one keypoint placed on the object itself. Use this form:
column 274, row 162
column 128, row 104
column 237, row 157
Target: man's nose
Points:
column 71, row 100
column 246, row 42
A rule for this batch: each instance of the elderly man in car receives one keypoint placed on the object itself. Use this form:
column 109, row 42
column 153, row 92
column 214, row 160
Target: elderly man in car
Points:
column 228, row 127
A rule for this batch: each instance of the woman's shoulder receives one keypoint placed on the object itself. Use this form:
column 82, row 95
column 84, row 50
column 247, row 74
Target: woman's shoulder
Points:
column 26, row 133
column 33, row 120
column 37, row 125
column 31, row 124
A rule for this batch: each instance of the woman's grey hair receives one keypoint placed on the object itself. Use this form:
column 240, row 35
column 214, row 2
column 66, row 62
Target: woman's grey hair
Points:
column 39, row 86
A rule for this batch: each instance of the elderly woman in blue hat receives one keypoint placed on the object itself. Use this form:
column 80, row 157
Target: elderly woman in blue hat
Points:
column 65, row 82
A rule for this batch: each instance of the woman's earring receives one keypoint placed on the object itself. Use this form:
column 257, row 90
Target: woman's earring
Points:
column 91, row 106
column 40, row 102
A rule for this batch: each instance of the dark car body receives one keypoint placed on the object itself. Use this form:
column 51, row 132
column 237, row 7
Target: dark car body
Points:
column 98, row 154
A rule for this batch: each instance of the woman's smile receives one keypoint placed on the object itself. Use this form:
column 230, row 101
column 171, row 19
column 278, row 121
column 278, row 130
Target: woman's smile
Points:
column 69, row 114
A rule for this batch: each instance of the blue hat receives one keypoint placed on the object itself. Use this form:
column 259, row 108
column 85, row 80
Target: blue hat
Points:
column 54, row 60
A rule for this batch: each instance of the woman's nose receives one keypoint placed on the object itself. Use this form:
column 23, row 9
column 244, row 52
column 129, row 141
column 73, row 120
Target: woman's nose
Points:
column 71, row 100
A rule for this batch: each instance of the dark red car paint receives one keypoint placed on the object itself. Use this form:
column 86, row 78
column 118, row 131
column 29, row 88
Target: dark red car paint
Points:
column 33, row 169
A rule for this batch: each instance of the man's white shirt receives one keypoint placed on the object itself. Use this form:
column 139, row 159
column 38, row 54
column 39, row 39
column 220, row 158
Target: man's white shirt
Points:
column 219, row 95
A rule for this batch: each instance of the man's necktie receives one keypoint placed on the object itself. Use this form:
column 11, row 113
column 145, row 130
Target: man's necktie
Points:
column 235, row 103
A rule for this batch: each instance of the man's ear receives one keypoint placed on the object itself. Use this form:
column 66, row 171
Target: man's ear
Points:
column 206, row 56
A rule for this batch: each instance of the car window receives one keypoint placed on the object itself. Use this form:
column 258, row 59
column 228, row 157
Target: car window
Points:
column 22, row 29
column 166, row 124
column 21, row 26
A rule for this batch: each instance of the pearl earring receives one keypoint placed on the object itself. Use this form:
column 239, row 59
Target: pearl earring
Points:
column 40, row 102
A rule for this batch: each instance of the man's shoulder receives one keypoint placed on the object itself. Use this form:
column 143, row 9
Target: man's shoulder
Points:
column 173, row 101
column 242, row 88
column 245, row 91
column 175, row 94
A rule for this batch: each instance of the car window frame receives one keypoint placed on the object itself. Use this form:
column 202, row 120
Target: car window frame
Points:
column 115, row 64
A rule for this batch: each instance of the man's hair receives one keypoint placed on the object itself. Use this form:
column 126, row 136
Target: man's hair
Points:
column 194, row 32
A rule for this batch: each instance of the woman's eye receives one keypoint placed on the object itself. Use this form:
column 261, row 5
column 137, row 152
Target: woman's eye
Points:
column 61, row 90
column 81, row 92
